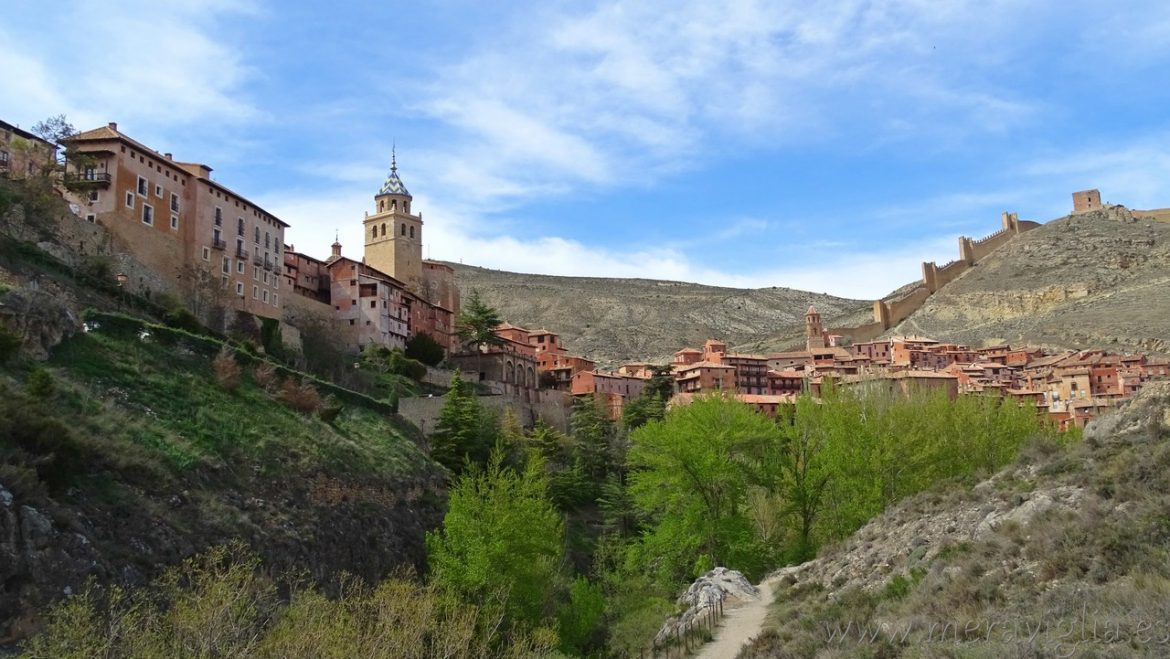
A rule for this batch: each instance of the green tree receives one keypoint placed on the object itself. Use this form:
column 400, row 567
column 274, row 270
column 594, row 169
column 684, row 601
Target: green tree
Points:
column 477, row 323
column 594, row 439
column 661, row 383
column 465, row 432
column 502, row 536
column 642, row 410
column 690, row 474
column 476, row 326
column 54, row 130
column 425, row 348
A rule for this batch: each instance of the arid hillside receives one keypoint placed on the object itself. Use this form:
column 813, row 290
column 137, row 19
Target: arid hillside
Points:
column 611, row 320
column 1062, row 554
column 1096, row 279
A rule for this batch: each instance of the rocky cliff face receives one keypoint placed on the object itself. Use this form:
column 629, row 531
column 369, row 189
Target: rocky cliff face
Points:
column 51, row 546
column 1095, row 279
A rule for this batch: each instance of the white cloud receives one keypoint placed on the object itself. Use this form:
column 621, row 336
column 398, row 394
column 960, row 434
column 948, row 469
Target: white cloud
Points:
column 455, row 234
column 623, row 92
column 148, row 64
column 1133, row 173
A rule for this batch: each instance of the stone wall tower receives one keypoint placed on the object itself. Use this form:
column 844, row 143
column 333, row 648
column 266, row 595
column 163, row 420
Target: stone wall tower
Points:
column 393, row 234
column 814, row 329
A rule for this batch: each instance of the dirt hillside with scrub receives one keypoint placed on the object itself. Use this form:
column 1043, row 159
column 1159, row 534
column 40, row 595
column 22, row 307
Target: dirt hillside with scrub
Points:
column 1062, row 554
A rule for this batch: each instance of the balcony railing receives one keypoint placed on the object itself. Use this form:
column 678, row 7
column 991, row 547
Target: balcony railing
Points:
column 268, row 265
column 241, row 252
column 218, row 243
column 258, row 259
column 83, row 180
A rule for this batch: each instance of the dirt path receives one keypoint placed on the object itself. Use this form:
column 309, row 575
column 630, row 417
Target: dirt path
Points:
column 741, row 623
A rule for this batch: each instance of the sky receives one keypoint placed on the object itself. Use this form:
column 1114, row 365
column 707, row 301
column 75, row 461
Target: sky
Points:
column 825, row 146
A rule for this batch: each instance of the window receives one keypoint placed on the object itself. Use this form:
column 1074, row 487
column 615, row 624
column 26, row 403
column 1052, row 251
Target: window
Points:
column 227, row 266
column 240, row 289
column 143, row 186
column 239, row 267
column 255, row 292
column 255, row 274
column 147, row 214
column 266, row 277
column 257, row 238
column 218, row 217
column 412, row 232
column 264, row 296
column 267, row 240
column 158, row 192
column 239, row 226
column 91, row 218
column 403, row 232
column 129, row 200
column 373, row 304
column 175, row 222
column 383, row 230
column 206, row 254
column 275, row 301
column 4, row 157
column 174, row 202
column 93, row 195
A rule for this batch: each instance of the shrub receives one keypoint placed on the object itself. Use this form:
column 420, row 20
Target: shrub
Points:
column 330, row 409
column 39, row 441
column 10, row 343
column 402, row 365
column 227, row 371
column 40, row 384
column 301, row 396
column 264, row 375
column 270, row 336
column 97, row 267
column 181, row 318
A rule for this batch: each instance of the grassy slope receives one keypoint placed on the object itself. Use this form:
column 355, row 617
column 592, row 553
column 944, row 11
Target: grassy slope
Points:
column 165, row 398
column 142, row 459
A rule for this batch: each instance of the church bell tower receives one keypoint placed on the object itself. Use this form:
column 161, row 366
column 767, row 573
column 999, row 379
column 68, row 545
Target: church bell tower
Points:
column 393, row 234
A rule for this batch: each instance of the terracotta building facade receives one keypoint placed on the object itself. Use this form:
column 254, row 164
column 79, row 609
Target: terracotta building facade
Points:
column 178, row 221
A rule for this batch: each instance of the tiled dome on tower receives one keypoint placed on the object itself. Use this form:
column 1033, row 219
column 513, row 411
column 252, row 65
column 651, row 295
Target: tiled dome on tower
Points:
column 393, row 184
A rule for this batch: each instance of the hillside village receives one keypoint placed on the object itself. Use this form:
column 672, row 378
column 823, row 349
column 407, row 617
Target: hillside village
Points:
column 229, row 258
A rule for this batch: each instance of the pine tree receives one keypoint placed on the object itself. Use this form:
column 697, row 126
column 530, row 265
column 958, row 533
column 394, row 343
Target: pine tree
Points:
column 464, row 432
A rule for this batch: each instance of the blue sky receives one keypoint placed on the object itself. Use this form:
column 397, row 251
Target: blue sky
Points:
column 826, row 146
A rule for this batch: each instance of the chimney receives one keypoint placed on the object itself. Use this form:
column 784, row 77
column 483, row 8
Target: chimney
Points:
column 168, row 156
column 113, row 125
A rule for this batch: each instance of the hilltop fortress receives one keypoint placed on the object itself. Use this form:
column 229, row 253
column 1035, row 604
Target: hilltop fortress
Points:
column 887, row 313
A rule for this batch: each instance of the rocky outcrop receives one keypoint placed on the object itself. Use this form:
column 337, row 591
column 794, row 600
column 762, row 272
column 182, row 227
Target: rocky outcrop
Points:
column 36, row 558
column 1144, row 418
column 708, row 591
column 1092, row 279
column 50, row 548
column 38, row 318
